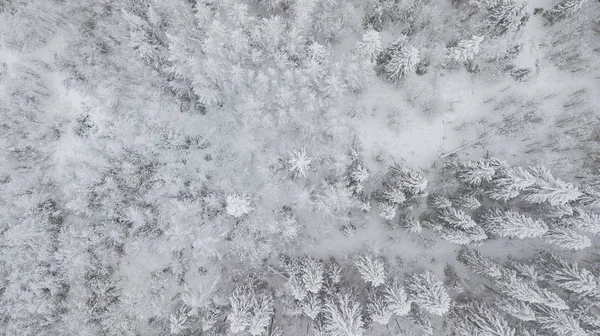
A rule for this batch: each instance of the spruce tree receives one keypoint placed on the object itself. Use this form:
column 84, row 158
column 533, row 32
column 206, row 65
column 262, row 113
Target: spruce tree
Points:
column 569, row 276
column 479, row 264
column 563, row 10
column 343, row 316
column 513, row 224
column 560, row 322
column 528, row 291
column 396, row 298
column 371, row 270
column 488, row 321
column 401, row 63
column 369, row 47
column 567, row 239
column 428, row 293
column 549, row 189
column 510, row 182
column 379, row 309
column 312, row 275
column 516, row 308
column 474, row 173
column 312, row 306
column 420, row 319
column 507, row 16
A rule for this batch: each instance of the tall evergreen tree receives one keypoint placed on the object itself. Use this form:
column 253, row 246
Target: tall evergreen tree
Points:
column 567, row 239
column 559, row 322
column 343, row 316
column 513, row 224
column 550, row 189
column 371, row 270
column 563, row 9
column 569, row 276
column 428, row 293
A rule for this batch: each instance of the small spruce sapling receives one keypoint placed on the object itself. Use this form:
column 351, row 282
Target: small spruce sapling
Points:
column 238, row 205
column 299, row 162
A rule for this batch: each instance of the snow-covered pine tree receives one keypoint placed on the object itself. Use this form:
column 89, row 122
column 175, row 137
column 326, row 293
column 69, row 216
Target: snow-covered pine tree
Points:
column 429, row 293
column 394, row 196
column 358, row 177
column 420, row 319
column 369, row 47
column 412, row 225
column 461, row 326
column 437, row 201
column 411, row 182
column 507, row 16
column 563, row 9
column 524, row 270
column 585, row 221
column 474, row 173
column 295, row 286
column 569, row 276
column 299, row 162
column 312, row 306
column 516, row 308
column 549, row 189
column 262, row 312
column 510, row 182
column 469, row 202
column 378, row 308
column 512, row 224
column 471, row 235
column 333, row 273
column 387, row 210
column 479, row 264
column 455, row 218
column 343, row 316
column 179, row 321
column 458, row 227
column 560, row 322
column 396, row 298
column 567, row 239
column 209, row 317
column 464, row 52
column 312, row 275
column 488, row 320
column 242, row 302
column 371, row 270
column 590, row 197
column 401, row 63
column 238, row 205
column 513, row 286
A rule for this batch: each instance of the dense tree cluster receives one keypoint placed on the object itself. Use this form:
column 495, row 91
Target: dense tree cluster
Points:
column 194, row 167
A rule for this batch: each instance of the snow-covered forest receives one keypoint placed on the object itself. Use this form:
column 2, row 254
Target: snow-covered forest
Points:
column 300, row 167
